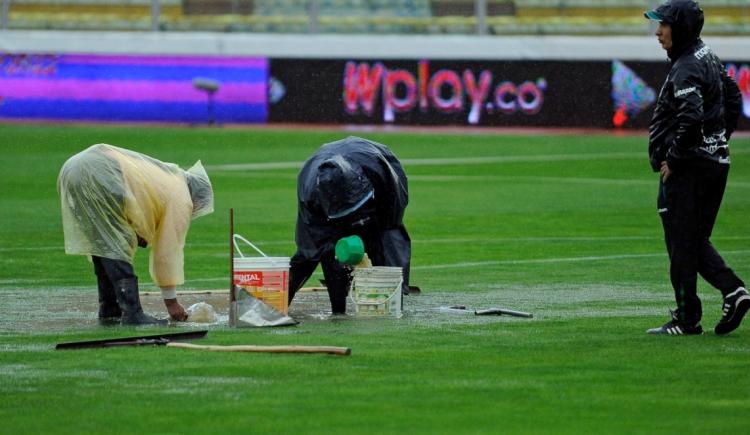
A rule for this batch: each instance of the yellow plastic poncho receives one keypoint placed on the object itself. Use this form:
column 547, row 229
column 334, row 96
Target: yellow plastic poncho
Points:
column 110, row 196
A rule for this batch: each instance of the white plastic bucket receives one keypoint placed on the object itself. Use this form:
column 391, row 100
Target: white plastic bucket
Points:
column 376, row 291
column 265, row 278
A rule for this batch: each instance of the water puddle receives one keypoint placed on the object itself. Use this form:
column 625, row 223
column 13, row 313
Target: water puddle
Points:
column 41, row 311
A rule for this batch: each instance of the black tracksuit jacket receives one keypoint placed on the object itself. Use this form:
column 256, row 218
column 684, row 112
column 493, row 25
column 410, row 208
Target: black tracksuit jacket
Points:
column 697, row 110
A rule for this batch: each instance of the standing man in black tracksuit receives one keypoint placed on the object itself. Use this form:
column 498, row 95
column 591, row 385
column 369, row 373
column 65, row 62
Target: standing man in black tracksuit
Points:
column 353, row 186
column 695, row 115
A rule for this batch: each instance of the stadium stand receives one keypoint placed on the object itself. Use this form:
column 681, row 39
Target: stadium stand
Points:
column 88, row 14
column 503, row 17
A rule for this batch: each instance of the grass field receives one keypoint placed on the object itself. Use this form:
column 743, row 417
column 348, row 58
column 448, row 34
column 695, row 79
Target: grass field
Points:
column 562, row 226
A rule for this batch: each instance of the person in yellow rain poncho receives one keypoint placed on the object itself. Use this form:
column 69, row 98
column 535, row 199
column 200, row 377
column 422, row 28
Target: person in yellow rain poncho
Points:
column 114, row 200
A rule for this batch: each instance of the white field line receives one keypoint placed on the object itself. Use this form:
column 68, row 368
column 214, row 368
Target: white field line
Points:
column 453, row 161
column 495, row 178
column 557, row 180
column 461, row 265
column 553, row 260
column 449, row 161
column 532, row 179
column 517, row 159
column 456, row 240
column 536, row 261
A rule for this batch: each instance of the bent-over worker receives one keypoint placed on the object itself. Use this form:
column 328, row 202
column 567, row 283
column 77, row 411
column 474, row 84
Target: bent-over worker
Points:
column 114, row 200
column 349, row 187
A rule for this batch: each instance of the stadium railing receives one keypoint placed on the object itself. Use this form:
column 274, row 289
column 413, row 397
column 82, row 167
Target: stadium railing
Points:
column 499, row 17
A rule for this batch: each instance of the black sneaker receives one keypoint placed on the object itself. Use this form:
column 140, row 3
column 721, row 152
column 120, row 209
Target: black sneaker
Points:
column 736, row 305
column 677, row 327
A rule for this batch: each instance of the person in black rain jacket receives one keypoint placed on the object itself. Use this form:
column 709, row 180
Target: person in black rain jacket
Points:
column 353, row 186
column 696, row 114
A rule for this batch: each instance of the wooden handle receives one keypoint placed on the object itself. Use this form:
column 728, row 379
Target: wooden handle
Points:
column 269, row 349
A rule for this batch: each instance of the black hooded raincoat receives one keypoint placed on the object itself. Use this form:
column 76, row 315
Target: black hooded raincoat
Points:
column 349, row 187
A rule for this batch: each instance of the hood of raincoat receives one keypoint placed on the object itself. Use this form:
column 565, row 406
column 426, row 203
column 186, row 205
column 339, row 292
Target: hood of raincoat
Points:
column 201, row 191
column 685, row 17
column 357, row 179
column 341, row 186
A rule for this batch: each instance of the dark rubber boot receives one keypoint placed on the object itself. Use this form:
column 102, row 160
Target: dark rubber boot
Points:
column 338, row 305
column 130, row 304
column 338, row 289
column 109, row 310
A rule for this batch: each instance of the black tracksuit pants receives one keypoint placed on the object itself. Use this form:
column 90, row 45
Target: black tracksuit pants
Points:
column 688, row 204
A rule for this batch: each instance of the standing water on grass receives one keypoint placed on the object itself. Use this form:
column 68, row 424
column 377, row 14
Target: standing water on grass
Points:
column 45, row 310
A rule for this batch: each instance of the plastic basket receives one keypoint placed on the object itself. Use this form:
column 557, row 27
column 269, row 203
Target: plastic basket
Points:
column 376, row 291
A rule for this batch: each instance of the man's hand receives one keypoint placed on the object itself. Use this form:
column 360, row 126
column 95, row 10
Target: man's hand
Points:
column 665, row 171
column 176, row 312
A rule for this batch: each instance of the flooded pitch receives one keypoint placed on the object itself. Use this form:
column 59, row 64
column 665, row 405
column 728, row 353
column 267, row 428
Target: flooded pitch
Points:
column 41, row 311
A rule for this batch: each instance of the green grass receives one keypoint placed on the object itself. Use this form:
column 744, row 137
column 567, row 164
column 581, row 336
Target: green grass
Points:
column 563, row 226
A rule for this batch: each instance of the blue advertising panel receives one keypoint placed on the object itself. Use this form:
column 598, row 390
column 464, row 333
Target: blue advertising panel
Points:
column 184, row 89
